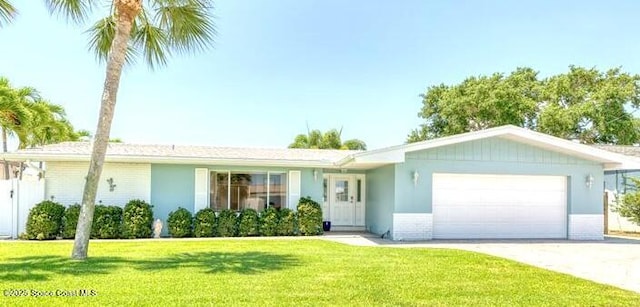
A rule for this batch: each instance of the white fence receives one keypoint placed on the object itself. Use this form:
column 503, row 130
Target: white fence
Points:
column 17, row 197
column 615, row 221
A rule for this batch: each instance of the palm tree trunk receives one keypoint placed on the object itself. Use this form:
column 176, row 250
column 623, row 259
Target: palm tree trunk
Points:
column 4, row 149
column 126, row 11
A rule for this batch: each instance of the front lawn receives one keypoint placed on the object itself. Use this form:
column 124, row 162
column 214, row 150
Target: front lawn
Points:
column 282, row 272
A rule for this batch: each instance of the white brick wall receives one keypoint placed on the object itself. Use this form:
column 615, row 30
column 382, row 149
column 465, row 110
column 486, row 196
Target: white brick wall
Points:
column 586, row 227
column 412, row 226
column 65, row 181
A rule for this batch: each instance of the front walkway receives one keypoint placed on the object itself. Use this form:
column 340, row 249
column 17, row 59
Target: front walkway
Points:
column 614, row 261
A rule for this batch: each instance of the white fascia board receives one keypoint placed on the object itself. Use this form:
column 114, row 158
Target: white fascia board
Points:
column 396, row 153
column 172, row 160
column 566, row 146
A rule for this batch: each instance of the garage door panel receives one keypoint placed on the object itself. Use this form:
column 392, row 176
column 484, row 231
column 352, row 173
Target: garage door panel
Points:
column 499, row 206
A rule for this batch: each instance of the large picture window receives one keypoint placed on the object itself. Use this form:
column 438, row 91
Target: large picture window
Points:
column 255, row 190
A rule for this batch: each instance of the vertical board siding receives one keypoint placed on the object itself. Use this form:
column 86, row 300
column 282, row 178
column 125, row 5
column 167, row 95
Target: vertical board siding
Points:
column 496, row 156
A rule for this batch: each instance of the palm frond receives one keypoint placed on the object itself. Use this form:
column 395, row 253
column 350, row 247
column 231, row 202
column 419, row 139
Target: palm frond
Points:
column 101, row 36
column 189, row 23
column 7, row 12
column 74, row 10
column 153, row 42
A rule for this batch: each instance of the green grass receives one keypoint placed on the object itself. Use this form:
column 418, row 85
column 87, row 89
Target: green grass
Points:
column 285, row 272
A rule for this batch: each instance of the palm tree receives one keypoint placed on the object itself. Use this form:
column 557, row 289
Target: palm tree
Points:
column 315, row 139
column 14, row 112
column 152, row 29
column 48, row 125
column 7, row 12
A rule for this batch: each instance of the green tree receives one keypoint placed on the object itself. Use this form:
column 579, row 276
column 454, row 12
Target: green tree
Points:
column 47, row 125
column 592, row 106
column 583, row 104
column 151, row 29
column 315, row 139
column 629, row 204
column 479, row 103
column 14, row 112
column 7, row 12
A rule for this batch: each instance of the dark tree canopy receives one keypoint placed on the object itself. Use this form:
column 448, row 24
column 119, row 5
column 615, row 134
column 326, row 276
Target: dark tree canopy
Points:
column 582, row 104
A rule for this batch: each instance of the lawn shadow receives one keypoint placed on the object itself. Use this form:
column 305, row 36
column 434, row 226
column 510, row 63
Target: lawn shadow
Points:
column 221, row 262
column 42, row 268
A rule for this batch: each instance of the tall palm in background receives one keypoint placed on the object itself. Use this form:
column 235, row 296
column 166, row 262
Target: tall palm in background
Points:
column 14, row 112
column 315, row 139
column 48, row 125
column 151, row 29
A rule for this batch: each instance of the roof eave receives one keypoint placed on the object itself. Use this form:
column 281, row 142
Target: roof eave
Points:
column 172, row 160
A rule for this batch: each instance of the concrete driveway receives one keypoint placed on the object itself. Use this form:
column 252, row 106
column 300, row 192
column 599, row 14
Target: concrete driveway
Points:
column 614, row 261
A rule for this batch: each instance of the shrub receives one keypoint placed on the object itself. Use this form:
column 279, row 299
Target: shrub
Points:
column 248, row 223
column 226, row 223
column 629, row 205
column 107, row 222
column 309, row 217
column 269, row 222
column 287, row 222
column 137, row 219
column 205, row 223
column 45, row 220
column 180, row 223
column 70, row 221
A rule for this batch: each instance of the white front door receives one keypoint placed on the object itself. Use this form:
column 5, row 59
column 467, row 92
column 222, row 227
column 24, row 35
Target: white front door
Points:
column 344, row 197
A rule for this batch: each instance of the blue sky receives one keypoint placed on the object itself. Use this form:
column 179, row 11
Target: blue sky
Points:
column 278, row 65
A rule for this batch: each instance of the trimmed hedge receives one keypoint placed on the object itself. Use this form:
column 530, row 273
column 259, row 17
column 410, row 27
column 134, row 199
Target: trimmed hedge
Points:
column 227, row 223
column 107, row 222
column 248, row 223
column 205, row 223
column 137, row 219
column 45, row 220
column 269, row 222
column 180, row 223
column 287, row 222
column 309, row 217
column 70, row 221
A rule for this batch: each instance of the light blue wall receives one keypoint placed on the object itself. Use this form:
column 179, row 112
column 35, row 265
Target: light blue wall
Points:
column 619, row 180
column 380, row 199
column 495, row 156
column 174, row 185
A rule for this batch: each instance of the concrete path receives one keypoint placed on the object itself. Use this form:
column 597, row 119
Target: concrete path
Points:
column 614, row 261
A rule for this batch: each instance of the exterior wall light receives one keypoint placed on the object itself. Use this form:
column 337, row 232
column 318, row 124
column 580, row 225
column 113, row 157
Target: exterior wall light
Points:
column 416, row 176
column 589, row 181
column 112, row 185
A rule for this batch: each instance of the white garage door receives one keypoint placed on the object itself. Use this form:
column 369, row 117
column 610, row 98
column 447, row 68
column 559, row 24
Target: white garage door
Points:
column 499, row 206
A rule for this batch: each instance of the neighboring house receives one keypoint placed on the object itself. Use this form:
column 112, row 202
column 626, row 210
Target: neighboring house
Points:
column 618, row 182
column 505, row 182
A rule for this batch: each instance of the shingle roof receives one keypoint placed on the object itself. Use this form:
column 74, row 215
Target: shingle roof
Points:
column 627, row 150
column 197, row 152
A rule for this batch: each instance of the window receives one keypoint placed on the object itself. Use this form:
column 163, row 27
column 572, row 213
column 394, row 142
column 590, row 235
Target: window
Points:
column 324, row 189
column 359, row 190
column 241, row 190
column 342, row 190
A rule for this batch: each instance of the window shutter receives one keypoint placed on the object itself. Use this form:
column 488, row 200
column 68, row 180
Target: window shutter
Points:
column 201, row 200
column 294, row 189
